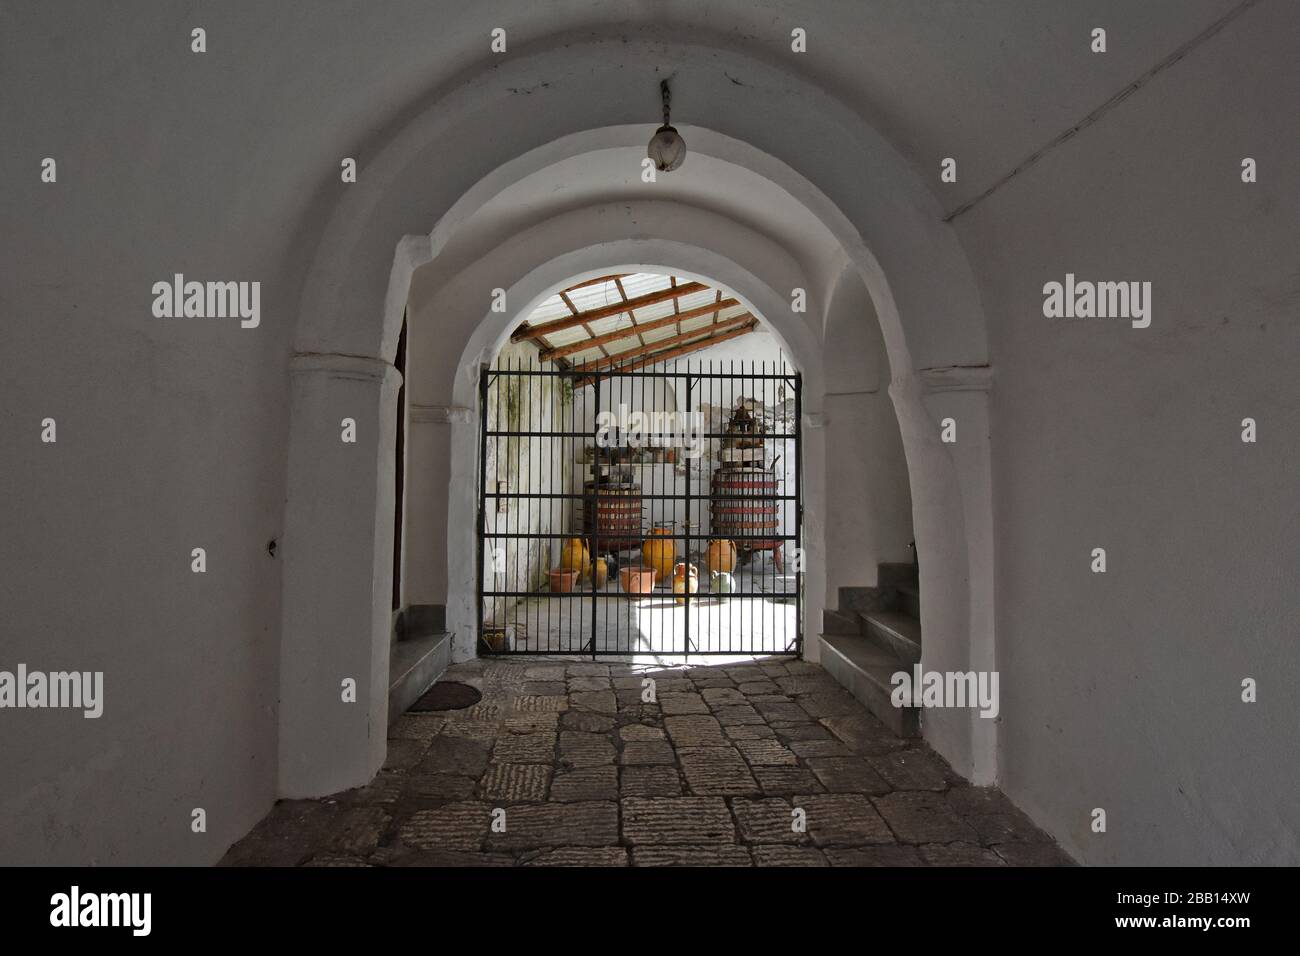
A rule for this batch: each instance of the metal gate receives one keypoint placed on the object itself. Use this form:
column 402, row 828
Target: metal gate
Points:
column 640, row 512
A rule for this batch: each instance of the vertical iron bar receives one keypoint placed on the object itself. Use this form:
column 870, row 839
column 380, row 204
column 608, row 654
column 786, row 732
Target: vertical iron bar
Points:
column 595, row 523
column 798, row 511
column 482, row 488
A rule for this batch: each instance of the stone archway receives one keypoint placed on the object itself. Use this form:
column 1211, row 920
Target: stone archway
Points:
column 910, row 262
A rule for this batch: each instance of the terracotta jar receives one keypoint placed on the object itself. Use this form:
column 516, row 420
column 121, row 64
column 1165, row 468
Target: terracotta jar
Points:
column 659, row 551
column 563, row 580
column 721, row 556
column 637, row 579
column 685, row 577
column 600, row 569
column 574, row 557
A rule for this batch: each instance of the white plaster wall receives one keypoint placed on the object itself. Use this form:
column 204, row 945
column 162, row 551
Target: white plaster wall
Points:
column 1123, row 690
column 868, row 494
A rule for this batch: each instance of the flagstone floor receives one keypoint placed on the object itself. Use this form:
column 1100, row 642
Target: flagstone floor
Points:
column 766, row 762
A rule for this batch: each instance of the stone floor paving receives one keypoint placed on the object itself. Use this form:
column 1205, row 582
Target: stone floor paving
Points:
column 573, row 763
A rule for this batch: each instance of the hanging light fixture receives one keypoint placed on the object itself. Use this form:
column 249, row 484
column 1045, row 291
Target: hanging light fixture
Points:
column 667, row 148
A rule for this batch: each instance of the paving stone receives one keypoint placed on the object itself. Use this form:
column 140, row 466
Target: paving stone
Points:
column 807, row 684
column 911, row 770
column 528, row 826
column 780, row 710
column 788, row 856
column 580, row 856
column 1033, row 854
column 404, row 754
column 541, row 703
column 589, row 683
column 665, row 686
column 531, row 724
column 773, row 669
column 484, row 710
column 451, row 858
column 483, row 731
column 749, row 732
column 455, row 755
column 587, row 670
column 630, row 700
column 579, row 749
column 806, row 732
column 642, row 752
column 830, row 705
column 716, row 771
column 786, row 780
column 717, row 697
column 289, row 834
column 426, row 787
column 588, row 783
column 650, row 782
column 415, row 727
column 893, row 855
column 545, row 688
column 738, row 715
column 959, row 854
column 918, row 816
column 843, row 819
column 968, row 800
column 586, row 722
column 794, row 666
column 356, row 830
column 384, row 789
column 767, row 753
column 1013, row 827
column 695, row 731
column 705, row 683
column 862, row 734
column 546, row 672
column 691, row 856
column 766, row 820
column 524, row 749
column 848, row 775
column 685, row 820
column 640, row 732
column 515, row 781
column 455, row 826
column 675, row 704
column 600, row 701
column 753, row 687
column 335, row 860
column 628, row 683
column 813, row 749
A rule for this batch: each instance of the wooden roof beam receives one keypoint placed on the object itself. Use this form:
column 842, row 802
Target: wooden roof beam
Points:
column 526, row 331
column 583, row 345
column 664, row 343
column 665, row 356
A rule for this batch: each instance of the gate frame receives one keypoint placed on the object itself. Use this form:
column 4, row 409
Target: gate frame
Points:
column 488, row 375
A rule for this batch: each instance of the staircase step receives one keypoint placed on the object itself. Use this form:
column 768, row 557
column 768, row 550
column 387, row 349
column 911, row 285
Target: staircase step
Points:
column 840, row 622
column 891, row 575
column 909, row 600
column 413, row 665
column 864, row 665
column 898, row 632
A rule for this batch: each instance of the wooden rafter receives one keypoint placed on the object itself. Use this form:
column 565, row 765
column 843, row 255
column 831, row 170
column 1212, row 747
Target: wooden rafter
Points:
column 585, row 344
column 596, row 281
column 564, row 296
column 708, row 330
column 665, row 355
column 526, row 331
column 631, row 314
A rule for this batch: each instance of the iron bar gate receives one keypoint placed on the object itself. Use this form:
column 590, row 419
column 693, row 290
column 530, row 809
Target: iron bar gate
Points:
column 640, row 512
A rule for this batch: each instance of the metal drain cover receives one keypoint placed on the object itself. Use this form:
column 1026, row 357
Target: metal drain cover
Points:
column 448, row 695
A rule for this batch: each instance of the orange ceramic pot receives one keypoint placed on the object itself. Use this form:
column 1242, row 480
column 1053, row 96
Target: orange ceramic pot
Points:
column 721, row 556
column 563, row 580
column 637, row 579
column 660, row 551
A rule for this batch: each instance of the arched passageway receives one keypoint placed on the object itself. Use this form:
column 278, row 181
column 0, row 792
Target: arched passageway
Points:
column 843, row 231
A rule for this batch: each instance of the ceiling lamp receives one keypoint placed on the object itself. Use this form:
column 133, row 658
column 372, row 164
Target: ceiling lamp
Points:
column 667, row 148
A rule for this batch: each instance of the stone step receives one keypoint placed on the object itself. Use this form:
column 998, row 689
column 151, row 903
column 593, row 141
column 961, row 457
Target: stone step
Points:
column 840, row 622
column 898, row 632
column 864, row 665
column 891, row 574
column 909, row 600
column 413, row 665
